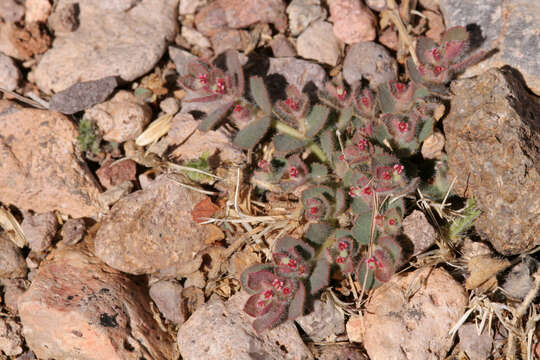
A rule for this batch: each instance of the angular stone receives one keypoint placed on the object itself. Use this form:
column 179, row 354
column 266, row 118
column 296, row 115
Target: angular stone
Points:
column 10, row 337
column 113, row 173
column 324, row 321
column 11, row 11
column 377, row 5
column 13, row 289
column 318, row 42
column 512, row 27
column 389, row 38
column 190, row 6
column 40, row 168
column 181, row 59
column 229, row 39
column 82, row 95
column 64, row 19
column 122, row 118
column 23, row 43
column 113, row 39
column 211, row 19
column 370, row 61
column 353, row 21
column 9, row 73
column 298, row 72
column 170, row 105
column 493, row 145
column 141, row 233
column 419, row 231
column 221, row 329
column 12, row 264
column 432, row 147
column 37, row 10
column 282, row 47
column 194, row 37
column 415, row 327
column 167, row 294
column 242, row 13
column 477, row 347
column 79, row 308
column 302, row 13
column 73, row 231
column 340, row 352
column 39, row 230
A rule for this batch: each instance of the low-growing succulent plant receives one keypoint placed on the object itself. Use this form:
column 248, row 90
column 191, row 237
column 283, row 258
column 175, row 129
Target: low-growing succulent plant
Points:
column 89, row 138
column 346, row 154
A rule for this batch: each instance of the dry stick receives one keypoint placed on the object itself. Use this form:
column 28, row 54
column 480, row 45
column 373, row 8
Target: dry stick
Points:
column 404, row 34
column 510, row 352
column 370, row 247
column 26, row 100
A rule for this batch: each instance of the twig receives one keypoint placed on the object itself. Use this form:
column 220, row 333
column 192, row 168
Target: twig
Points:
column 26, row 100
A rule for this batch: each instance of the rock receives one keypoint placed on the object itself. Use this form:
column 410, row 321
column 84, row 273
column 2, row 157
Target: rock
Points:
column 195, row 279
column 23, row 43
column 512, row 27
column 242, row 13
column 520, row 280
column 241, row 260
column 377, row 5
column 340, row 352
column 79, row 308
column 113, row 173
column 493, row 146
column 221, row 329
column 471, row 249
column 83, row 95
column 211, row 19
column 181, row 59
column 432, row 5
column 73, row 231
column 324, row 321
column 140, row 235
column 353, row 21
column 436, row 25
column 356, row 328
column 9, row 73
column 477, row 347
column 107, row 42
column 192, row 143
column 122, row 118
column 39, row 230
column 193, row 299
column 13, row 289
column 298, row 72
column 302, row 13
column 417, row 228
column 229, row 39
column 40, row 168
column 187, row 7
column 64, row 19
column 389, row 38
column 37, row 11
column 170, row 105
column 370, row 61
column 194, row 37
column 414, row 327
column 10, row 337
column 12, row 263
column 282, row 47
column 115, row 193
column 319, row 43
column 29, row 355
column 168, row 297
column 433, row 146
column 11, row 11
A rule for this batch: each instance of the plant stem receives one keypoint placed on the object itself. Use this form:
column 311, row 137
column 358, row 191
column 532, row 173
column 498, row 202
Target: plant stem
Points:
column 311, row 145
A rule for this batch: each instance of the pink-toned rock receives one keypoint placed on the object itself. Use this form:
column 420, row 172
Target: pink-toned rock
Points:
column 318, row 42
column 353, row 21
column 389, row 38
column 242, row 13
column 222, row 330
column 356, row 328
column 112, row 173
column 39, row 230
column 13, row 289
column 11, row 10
column 151, row 230
column 37, row 10
column 10, row 337
column 211, row 19
column 167, row 294
column 193, row 142
column 419, row 231
column 229, row 39
column 402, row 327
column 122, row 118
column 79, row 308
column 12, row 264
column 40, row 168
column 282, row 47
column 73, row 231
column 432, row 147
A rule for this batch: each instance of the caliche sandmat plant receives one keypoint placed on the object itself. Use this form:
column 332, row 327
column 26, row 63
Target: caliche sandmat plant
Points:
column 349, row 153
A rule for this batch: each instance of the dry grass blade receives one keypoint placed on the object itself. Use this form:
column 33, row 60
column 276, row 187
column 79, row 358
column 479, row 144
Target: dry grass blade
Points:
column 155, row 130
column 41, row 104
column 10, row 225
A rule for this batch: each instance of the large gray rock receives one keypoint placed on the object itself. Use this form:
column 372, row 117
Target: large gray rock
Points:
column 298, row 72
column 511, row 26
column 302, row 13
column 221, row 330
column 318, row 42
column 12, row 264
column 493, row 146
column 124, row 38
column 9, row 73
column 371, row 61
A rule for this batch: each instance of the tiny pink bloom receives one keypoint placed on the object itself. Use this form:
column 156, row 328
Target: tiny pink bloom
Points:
column 367, row 190
column 386, row 175
column 400, row 86
column 352, row 191
column 262, row 164
column 343, row 245
column 392, row 222
column 220, row 86
column 341, row 93
column 403, row 126
column 437, row 70
column 286, row 291
column 203, row 78
column 340, row 260
column 362, row 144
column 292, row 104
column 421, row 69
column 293, row 172
column 365, row 101
column 301, row 269
column 292, row 263
column 342, row 157
column 238, row 108
column 313, row 210
column 277, row 284
column 398, row 168
column 261, row 303
column 268, row 294
column 436, row 54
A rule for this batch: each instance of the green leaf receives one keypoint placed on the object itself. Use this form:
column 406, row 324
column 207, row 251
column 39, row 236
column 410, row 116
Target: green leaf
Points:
column 210, row 121
column 319, row 173
column 345, row 117
column 456, row 33
column 362, row 229
column 286, row 144
column 317, row 233
column 235, row 68
column 427, row 129
column 320, row 277
column 386, row 99
column 316, row 120
column 328, row 143
column 260, row 94
column 341, row 202
column 250, row 136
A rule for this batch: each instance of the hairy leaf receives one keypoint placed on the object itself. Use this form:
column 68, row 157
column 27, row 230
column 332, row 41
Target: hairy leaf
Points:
column 250, row 136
